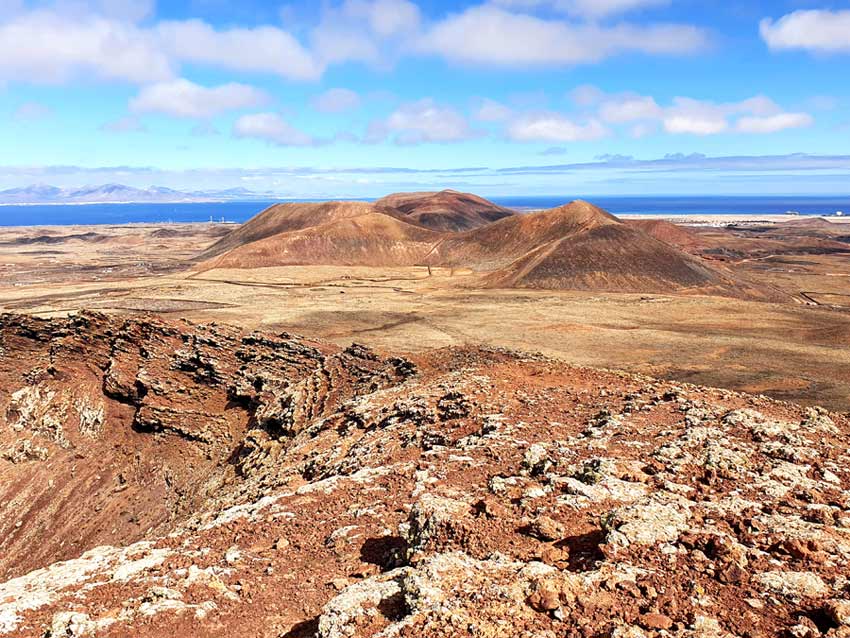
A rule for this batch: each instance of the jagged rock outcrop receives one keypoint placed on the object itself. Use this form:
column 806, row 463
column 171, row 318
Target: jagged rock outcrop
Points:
column 287, row 488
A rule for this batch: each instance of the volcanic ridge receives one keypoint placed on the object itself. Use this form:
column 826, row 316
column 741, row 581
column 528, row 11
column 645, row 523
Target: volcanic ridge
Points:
column 576, row 246
column 169, row 479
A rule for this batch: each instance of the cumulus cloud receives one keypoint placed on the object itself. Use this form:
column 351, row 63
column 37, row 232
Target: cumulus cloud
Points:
column 336, row 101
column 587, row 95
column 592, row 9
column 45, row 47
column 272, row 128
column 261, row 49
column 813, row 30
column 385, row 18
column 488, row 110
column 53, row 46
column 132, row 10
column 630, row 108
column 758, row 114
column 420, row 122
column 553, row 127
column 490, row 35
column 685, row 115
column 182, row 98
column 774, row 123
column 359, row 30
column 119, row 39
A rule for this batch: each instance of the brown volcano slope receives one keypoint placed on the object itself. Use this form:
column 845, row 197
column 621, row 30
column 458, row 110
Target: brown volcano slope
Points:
column 446, row 210
column 283, row 218
column 373, row 239
column 578, row 246
column 582, row 247
column 466, row 492
column 682, row 238
column 503, row 242
column 617, row 258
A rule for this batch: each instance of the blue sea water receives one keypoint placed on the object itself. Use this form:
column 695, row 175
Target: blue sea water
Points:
column 56, row 215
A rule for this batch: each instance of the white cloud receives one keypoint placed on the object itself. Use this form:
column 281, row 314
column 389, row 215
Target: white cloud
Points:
column 362, row 30
column 587, row 95
column 774, row 123
column 45, row 47
column 685, row 115
column 629, row 108
column 553, row 127
column 118, row 40
column 757, row 114
column 695, row 117
column 489, row 35
column 182, row 98
column 132, row 10
column 642, row 129
column 592, row 9
column 262, row 49
column 272, row 128
column 336, row 101
column 29, row 111
column 492, row 111
column 423, row 121
column 385, row 18
column 814, row 30
column 334, row 43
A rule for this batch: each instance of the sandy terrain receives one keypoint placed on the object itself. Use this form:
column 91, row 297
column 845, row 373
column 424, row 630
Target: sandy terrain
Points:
column 793, row 350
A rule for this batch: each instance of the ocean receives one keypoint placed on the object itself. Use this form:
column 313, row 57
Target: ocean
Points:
column 62, row 215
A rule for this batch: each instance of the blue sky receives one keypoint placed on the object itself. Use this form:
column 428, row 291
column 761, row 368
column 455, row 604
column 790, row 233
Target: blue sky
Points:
column 362, row 97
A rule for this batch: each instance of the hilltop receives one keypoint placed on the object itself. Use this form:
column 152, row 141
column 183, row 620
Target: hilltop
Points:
column 283, row 218
column 168, row 479
column 446, row 210
column 369, row 239
column 577, row 246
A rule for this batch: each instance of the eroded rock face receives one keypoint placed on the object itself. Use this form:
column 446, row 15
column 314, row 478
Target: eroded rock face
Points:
column 114, row 429
column 164, row 479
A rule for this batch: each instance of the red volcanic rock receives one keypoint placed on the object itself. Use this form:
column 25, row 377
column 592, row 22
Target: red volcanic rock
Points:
column 199, row 480
column 574, row 247
column 372, row 239
column 446, row 210
column 285, row 218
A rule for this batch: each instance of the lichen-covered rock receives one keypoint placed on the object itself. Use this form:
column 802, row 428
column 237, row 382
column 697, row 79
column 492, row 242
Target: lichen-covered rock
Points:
column 361, row 605
column 436, row 522
column 649, row 521
column 291, row 488
column 794, row 585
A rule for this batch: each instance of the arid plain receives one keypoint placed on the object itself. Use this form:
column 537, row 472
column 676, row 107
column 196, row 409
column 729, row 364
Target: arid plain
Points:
column 794, row 346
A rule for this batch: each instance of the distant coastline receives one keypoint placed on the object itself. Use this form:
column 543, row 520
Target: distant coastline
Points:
column 685, row 209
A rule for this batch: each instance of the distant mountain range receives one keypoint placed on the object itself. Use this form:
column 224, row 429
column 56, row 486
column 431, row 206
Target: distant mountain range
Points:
column 121, row 194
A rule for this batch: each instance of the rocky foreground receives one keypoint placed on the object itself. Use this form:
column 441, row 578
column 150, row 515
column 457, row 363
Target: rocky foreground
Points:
column 167, row 479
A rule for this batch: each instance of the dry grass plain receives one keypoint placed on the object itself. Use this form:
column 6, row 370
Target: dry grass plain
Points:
column 791, row 350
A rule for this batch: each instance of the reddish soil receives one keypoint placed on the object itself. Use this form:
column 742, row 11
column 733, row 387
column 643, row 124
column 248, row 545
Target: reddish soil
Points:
column 276, row 487
column 446, row 210
column 577, row 246
column 372, row 239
